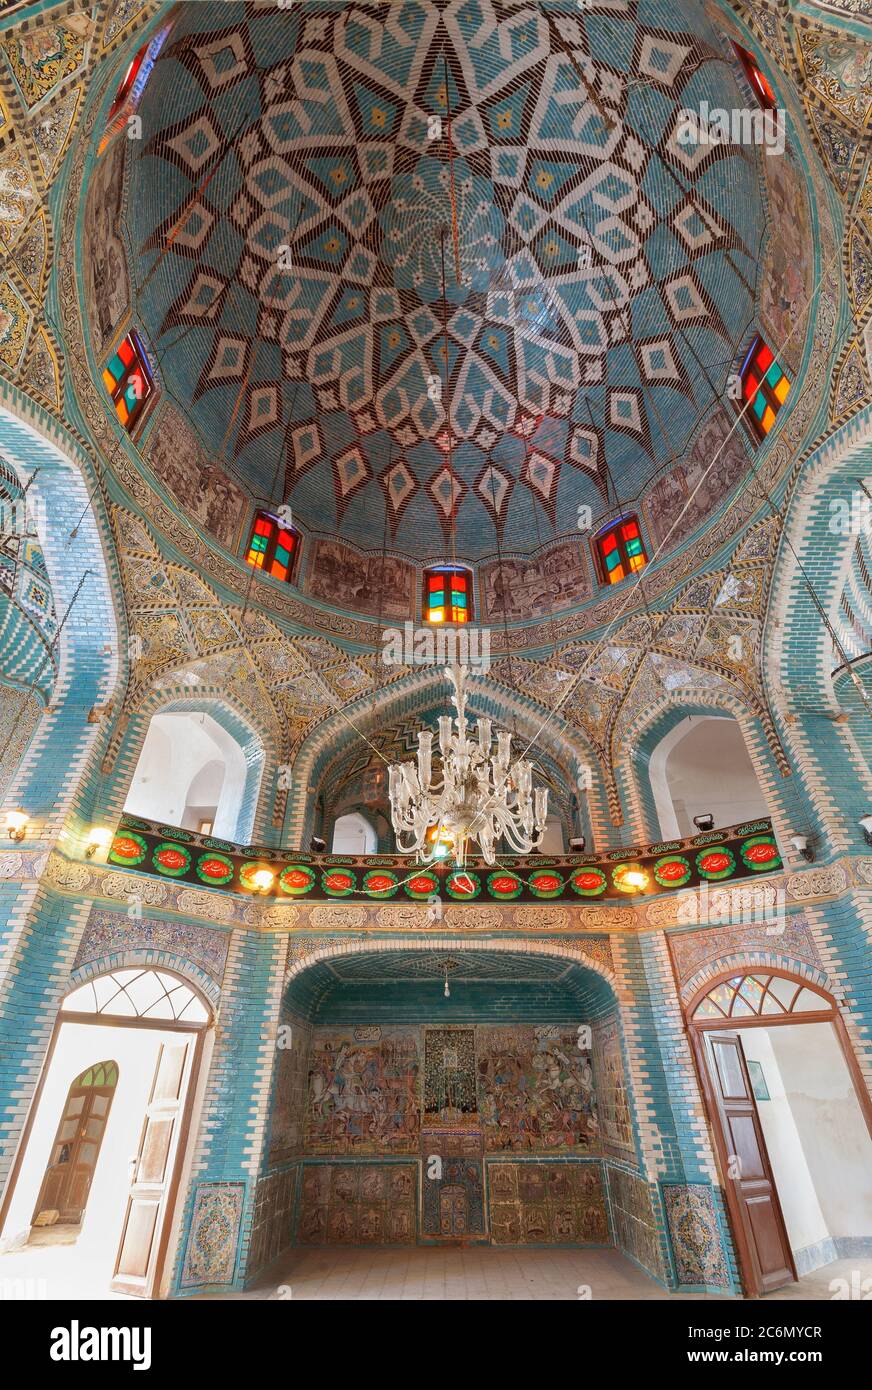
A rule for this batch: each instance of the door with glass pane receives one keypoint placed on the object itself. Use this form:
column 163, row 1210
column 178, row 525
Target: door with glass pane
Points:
column 76, row 1148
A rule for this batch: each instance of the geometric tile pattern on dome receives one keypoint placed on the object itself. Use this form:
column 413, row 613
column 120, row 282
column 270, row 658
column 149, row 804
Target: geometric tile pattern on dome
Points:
column 306, row 172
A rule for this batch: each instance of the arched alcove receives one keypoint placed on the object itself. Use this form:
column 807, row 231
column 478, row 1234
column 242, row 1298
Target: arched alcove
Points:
column 354, row 834
column 193, row 773
column 701, row 766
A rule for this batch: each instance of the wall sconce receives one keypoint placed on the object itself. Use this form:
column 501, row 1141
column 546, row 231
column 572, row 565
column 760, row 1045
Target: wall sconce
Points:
column 263, row 880
column 800, row 844
column 706, row 821
column 317, row 845
column 16, row 824
column 99, row 838
column 866, row 823
column 577, row 844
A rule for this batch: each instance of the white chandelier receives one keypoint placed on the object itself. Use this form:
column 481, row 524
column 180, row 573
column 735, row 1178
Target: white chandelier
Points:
column 480, row 797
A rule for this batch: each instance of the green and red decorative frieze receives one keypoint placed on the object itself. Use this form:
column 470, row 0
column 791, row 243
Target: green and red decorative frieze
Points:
column 740, row 852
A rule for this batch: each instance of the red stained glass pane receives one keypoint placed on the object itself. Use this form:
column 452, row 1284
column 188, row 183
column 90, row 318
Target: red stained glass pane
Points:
column 764, row 357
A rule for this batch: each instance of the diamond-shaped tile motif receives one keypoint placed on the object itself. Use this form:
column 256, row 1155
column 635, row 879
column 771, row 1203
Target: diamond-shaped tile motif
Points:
column 459, row 317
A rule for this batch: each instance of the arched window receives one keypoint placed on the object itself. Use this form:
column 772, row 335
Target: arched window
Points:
column 273, row 546
column 758, row 80
column 764, row 385
column 138, row 993
column 447, row 594
column 128, row 379
column 620, row 550
column 761, row 995
column 132, row 85
column 354, row 834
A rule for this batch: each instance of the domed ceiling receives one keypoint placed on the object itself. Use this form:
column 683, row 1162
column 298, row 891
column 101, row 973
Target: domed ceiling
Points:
column 321, row 265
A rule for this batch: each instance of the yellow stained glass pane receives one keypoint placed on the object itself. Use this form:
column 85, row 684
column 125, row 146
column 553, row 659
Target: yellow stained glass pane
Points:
column 437, row 615
column 768, row 419
column 108, row 380
column 782, row 389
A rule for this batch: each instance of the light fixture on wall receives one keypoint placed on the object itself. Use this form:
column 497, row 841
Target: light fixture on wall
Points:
column 801, row 845
column 317, row 845
column 16, row 824
column 263, row 880
column 704, row 821
column 99, row 837
column 480, row 795
column 577, row 844
column 866, row 825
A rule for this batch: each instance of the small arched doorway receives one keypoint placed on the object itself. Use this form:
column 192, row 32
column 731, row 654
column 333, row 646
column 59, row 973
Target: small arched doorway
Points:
column 100, row 1161
column 791, row 1121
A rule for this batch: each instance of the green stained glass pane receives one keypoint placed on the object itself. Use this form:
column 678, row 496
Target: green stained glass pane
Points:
column 282, row 555
column 774, row 375
column 459, row 600
column 437, row 599
column 759, row 405
column 116, row 367
column 613, row 559
column 634, row 547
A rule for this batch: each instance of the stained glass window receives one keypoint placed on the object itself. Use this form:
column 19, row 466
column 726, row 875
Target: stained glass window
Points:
column 273, row 546
column 620, row 550
column 760, row 83
column 132, row 85
column 128, row 379
column 447, row 595
column 764, row 387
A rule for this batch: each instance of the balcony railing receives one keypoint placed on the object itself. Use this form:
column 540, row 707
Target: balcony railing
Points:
column 726, row 855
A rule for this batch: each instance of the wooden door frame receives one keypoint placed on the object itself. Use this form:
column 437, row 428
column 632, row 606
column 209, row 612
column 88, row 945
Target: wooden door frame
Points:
column 695, row 1028
column 153, row 1025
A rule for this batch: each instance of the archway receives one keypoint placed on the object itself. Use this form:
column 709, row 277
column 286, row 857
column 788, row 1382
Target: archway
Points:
column 481, row 1093
column 99, row 1165
column 193, row 773
column 702, row 767
column 791, row 1119
column 354, row 834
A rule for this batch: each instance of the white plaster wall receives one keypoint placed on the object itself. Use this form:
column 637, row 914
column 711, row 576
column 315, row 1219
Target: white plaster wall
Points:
column 803, row 1217
column 703, row 765
column 166, row 783
column 830, row 1123
column 552, row 840
column 353, row 834
column 78, row 1046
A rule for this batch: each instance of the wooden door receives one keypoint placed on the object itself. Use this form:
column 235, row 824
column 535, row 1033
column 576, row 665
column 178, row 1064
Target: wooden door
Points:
column 747, row 1171
column 76, row 1147
column 453, row 1211
column 151, row 1171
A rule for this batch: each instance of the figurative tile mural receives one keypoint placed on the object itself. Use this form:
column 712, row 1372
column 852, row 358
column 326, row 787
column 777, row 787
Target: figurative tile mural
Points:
column 358, row 1204
column 449, row 1077
column 785, row 284
column 346, row 577
column 634, row 1220
column 364, row 1094
column 107, row 285
column 696, row 1240
column 535, row 1089
column 289, row 1095
column 518, row 589
column 547, row 1204
column 681, row 500
column 182, row 464
column 453, row 1198
column 210, row 1257
column 612, row 1101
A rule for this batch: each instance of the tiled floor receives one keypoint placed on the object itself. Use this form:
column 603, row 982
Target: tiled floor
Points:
column 432, row 1272
column 486, row 1273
